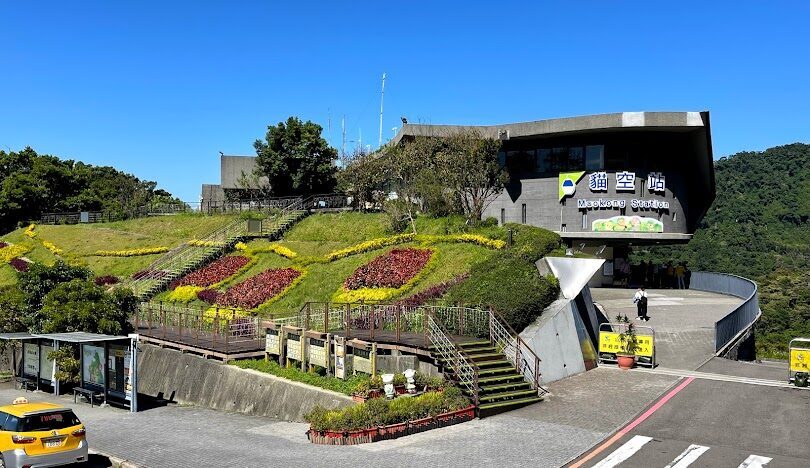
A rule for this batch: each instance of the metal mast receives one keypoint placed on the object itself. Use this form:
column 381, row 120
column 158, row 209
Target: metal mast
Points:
column 382, row 98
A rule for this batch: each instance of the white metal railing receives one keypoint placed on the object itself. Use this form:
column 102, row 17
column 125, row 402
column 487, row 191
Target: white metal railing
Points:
column 445, row 349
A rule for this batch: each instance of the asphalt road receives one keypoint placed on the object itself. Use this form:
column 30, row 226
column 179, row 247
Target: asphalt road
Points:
column 718, row 424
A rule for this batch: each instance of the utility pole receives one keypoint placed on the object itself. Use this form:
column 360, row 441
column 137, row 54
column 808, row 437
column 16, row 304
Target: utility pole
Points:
column 343, row 145
column 382, row 98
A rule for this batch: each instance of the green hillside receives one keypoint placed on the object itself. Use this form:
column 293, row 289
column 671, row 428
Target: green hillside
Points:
column 80, row 242
column 758, row 228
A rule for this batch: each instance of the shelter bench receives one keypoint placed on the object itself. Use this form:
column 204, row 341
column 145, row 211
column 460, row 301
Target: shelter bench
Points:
column 90, row 395
column 26, row 383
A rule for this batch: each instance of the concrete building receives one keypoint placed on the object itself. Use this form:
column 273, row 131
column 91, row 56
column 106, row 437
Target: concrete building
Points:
column 236, row 174
column 603, row 182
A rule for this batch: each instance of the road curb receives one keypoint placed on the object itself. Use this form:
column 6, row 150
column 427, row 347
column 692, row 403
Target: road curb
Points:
column 117, row 462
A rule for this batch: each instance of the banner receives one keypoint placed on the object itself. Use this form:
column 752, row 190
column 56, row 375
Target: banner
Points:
column 93, row 364
column 31, row 359
column 609, row 342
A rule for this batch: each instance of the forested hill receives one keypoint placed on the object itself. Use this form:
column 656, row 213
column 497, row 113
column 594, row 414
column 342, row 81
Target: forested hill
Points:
column 32, row 184
column 759, row 227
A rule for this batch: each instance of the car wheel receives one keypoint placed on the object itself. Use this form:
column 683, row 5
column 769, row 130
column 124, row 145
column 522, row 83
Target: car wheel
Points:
column 2, row 462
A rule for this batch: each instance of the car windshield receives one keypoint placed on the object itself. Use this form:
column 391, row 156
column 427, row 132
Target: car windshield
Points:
column 47, row 421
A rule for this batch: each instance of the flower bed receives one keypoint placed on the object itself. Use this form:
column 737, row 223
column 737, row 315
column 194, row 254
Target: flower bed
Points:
column 204, row 243
column 54, row 249
column 184, row 293
column 19, row 264
column 209, row 295
column 369, row 245
column 131, row 252
column 391, row 270
column 106, row 280
column 12, row 251
column 259, row 289
column 277, row 249
column 3, row 244
column 379, row 419
column 433, row 292
column 424, row 239
column 219, row 270
column 29, row 231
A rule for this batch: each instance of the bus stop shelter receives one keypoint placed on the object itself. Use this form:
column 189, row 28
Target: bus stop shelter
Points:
column 108, row 363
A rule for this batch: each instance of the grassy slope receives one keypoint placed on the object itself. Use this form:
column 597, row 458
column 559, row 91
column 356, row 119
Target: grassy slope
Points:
column 80, row 240
column 320, row 234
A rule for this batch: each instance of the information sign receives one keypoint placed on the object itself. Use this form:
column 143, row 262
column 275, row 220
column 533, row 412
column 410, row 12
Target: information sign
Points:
column 609, row 342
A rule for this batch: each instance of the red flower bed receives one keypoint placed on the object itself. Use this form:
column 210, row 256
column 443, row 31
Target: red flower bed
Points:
column 214, row 273
column 106, row 280
column 3, row 244
column 209, row 295
column 391, row 270
column 153, row 274
column 258, row 289
column 433, row 292
column 19, row 264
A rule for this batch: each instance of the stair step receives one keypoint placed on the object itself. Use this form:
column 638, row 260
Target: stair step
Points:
column 469, row 344
column 506, row 386
column 495, row 371
column 501, row 379
column 485, row 356
column 507, row 395
column 508, row 404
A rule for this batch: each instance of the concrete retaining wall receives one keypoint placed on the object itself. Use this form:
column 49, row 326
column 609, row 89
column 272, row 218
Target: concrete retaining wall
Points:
column 189, row 379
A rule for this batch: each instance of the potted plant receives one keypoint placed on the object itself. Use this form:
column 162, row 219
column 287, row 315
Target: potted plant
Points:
column 626, row 358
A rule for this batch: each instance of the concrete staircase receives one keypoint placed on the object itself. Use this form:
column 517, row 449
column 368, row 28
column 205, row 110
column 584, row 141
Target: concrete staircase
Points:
column 500, row 386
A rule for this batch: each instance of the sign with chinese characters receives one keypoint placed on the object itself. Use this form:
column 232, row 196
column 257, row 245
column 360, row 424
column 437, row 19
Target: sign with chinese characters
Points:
column 800, row 360
column 598, row 181
column 31, row 359
column 609, row 342
column 625, row 181
column 656, row 182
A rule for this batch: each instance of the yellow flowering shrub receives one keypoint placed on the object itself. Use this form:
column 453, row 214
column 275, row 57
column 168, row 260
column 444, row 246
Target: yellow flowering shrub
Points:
column 202, row 243
column 240, row 246
column 54, row 249
column 184, row 293
column 29, row 231
column 463, row 238
column 277, row 249
column 369, row 245
column 131, row 253
column 12, row 251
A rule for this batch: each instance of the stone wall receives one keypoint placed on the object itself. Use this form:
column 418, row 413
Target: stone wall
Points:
column 188, row 379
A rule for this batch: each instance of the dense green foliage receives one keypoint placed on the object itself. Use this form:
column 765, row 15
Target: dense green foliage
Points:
column 347, row 387
column 379, row 411
column 758, row 228
column 510, row 282
column 32, row 184
column 295, row 159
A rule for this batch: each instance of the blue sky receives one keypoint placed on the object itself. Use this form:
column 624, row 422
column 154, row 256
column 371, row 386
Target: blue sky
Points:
column 159, row 88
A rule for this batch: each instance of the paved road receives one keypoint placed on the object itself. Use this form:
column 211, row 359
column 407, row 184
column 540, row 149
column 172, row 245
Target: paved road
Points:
column 683, row 320
column 580, row 412
column 718, row 424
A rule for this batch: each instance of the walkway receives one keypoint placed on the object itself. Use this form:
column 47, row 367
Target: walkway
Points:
column 683, row 320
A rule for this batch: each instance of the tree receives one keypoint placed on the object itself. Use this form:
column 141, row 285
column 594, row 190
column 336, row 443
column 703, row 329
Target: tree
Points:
column 363, row 175
column 403, row 165
column 469, row 166
column 295, row 159
column 81, row 305
column 39, row 281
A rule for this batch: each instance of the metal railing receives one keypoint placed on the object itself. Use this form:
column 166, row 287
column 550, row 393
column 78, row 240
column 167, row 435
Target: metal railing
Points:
column 463, row 367
column 729, row 328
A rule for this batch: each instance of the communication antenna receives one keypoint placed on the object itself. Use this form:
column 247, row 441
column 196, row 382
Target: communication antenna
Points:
column 343, row 145
column 382, row 98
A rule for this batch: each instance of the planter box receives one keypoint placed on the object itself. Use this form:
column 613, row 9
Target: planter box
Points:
column 392, row 431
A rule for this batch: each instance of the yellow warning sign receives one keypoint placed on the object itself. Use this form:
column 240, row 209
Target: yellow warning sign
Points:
column 609, row 342
column 800, row 360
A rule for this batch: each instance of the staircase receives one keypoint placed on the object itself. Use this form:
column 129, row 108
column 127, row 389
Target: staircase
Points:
column 496, row 372
column 274, row 229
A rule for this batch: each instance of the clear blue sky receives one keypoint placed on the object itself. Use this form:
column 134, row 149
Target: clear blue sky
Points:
column 158, row 88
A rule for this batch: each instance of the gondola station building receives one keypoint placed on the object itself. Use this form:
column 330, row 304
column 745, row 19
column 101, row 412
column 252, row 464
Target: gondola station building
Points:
column 603, row 182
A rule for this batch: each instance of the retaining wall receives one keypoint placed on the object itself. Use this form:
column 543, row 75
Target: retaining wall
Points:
column 188, row 379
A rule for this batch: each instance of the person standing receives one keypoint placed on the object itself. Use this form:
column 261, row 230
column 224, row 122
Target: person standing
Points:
column 640, row 298
column 680, row 272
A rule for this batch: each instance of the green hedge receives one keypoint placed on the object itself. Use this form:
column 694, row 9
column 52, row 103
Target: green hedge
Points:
column 509, row 281
column 379, row 411
column 346, row 387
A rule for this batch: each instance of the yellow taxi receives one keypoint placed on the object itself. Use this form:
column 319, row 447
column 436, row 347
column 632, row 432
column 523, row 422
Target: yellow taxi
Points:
column 39, row 435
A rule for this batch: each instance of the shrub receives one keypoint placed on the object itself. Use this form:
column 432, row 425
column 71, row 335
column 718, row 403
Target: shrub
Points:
column 531, row 243
column 29, row 231
column 369, row 245
column 277, row 249
column 131, row 252
column 346, row 387
column 208, row 295
column 204, row 243
column 54, row 249
column 259, row 289
column 433, row 292
column 215, row 272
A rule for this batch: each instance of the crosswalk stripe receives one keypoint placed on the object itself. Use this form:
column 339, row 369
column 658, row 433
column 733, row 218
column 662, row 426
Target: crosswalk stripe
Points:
column 755, row 461
column 688, row 456
column 624, row 452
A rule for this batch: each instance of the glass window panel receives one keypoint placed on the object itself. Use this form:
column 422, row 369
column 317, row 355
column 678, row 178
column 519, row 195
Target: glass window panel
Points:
column 543, row 160
column 576, row 158
column 594, row 158
column 559, row 157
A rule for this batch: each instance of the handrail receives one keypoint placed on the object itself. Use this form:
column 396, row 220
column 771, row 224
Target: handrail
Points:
column 519, row 344
column 467, row 363
column 733, row 325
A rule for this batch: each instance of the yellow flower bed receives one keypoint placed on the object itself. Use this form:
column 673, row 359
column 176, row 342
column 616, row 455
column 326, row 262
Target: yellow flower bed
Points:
column 463, row 238
column 369, row 245
column 29, row 231
column 12, row 251
column 240, row 246
column 184, row 293
column 131, row 253
column 54, row 249
column 276, row 249
column 202, row 243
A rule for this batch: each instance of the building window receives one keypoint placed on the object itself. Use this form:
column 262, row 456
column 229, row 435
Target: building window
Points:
column 584, row 221
column 576, row 159
column 503, row 216
column 523, row 213
column 594, row 158
column 543, row 160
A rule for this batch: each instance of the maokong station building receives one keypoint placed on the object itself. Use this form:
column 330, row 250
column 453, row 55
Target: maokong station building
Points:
column 603, row 182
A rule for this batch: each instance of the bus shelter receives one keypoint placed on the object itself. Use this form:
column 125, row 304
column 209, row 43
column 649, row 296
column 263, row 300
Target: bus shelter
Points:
column 108, row 363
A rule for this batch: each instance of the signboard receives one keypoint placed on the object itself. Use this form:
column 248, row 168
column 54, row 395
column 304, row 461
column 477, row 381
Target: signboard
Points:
column 317, row 352
column 609, row 342
column 294, row 347
column 128, row 374
column 627, row 224
column 45, row 364
column 93, row 365
column 568, row 183
column 272, row 343
column 31, row 360
column 800, row 360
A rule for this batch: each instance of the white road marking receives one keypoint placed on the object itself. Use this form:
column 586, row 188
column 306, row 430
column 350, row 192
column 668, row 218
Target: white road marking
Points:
column 624, row 452
column 754, row 461
column 688, row 456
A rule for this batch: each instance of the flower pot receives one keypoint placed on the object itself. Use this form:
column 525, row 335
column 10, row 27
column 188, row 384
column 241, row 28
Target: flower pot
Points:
column 374, row 393
column 625, row 361
column 357, row 398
